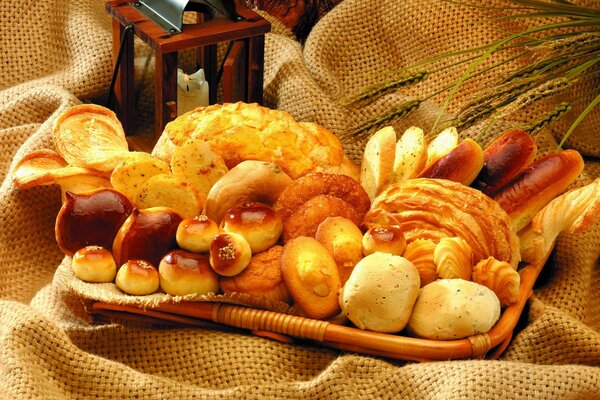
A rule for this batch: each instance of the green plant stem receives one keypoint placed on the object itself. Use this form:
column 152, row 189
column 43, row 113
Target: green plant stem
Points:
column 580, row 118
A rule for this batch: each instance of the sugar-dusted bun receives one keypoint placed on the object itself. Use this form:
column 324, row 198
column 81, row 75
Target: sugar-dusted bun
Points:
column 311, row 276
column 195, row 233
column 94, row 264
column 230, row 254
column 386, row 239
column 342, row 238
column 381, row 292
column 182, row 272
column 137, row 277
column 262, row 278
column 257, row 222
column 453, row 309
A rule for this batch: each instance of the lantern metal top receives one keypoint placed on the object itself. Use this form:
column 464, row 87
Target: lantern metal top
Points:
column 169, row 13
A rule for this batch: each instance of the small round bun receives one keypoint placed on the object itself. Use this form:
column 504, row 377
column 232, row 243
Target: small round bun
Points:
column 343, row 239
column 449, row 309
column 311, row 276
column 257, row 222
column 94, row 264
column 137, row 277
column 385, row 239
column 195, row 233
column 182, row 273
column 262, row 278
column 230, row 254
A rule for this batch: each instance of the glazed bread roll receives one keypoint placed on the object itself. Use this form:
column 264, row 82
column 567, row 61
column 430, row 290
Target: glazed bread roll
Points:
column 137, row 277
column 462, row 164
column 257, row 222
column 310, row 274
column 182, row 273
column 342, row 238
column 386, row 239
column 195, row 233
column 94, row 264
column 380, row 293
column 437, row 208
column 240, row 131
column 229, row 254
column 450, row 309
column 262, row 278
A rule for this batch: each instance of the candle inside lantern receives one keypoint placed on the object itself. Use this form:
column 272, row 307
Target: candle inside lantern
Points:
column 192, row 91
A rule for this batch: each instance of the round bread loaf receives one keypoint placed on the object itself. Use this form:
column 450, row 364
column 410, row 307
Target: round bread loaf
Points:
column 386, row 239
column 380, row 293
column 453, row 309
column 257, row 222
column 195, row 233
column 229, row 254
column 262, row 278
column 182, row 273
column 241, row 131
column 137, row 277
column 311, row 276
column 94, row 264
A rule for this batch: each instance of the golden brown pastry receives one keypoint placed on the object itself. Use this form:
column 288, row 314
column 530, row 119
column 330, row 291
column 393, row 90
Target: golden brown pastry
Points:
column 436, row 208
column 257, row 222
column 573, row 212
column 241, row 131
column 230, row 254
column 420, row 253
column 182, row 273
column 500, row 277
column 462, row 164
column 453, row 258
column 311, row 276
column 262, row 278
column 195, row 233
column 306, row 219
column 94, row 264
column 342, row 238
column 303, row 189
column 386, row 239
column 137, row 277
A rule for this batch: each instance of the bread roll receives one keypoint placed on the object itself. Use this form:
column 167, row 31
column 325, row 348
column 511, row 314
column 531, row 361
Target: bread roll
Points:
column 450, row 309
column 137, row 277
column 262, row 278
column 229, row 254
column 499, row 277
column 257, row 222
column 462, row 164
column 377, row 167
column 442, row 144
column 94, row 264
column 195, row 233
column 386, row 239
column 435, row 208
column 248, row 181
column 310, row 274
column 503, row 159
column 241, row 131
column 538, row 184
column 380, row 293
column 420, row 253
column 342, row 238
column 453, row 258
column 182, row 273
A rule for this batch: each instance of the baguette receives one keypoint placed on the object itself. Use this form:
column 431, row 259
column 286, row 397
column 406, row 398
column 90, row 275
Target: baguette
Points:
column 377, row 167
column 536, row 185
column 462, row 164
column 503, row 159
column 573, row 212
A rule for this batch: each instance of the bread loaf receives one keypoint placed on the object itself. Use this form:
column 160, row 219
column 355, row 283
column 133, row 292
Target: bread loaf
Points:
column 538, row 184
column 377, row 167
column 503, row 159
column 462, row 164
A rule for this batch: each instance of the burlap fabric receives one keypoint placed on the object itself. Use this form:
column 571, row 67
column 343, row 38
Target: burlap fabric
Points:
column 56, row 53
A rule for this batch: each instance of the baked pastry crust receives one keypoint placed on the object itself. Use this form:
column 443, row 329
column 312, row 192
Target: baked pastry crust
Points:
column 437, row 208
column 241, row 131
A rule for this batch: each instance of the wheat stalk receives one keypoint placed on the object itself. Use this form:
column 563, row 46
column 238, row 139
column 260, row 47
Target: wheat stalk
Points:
column 388, row 118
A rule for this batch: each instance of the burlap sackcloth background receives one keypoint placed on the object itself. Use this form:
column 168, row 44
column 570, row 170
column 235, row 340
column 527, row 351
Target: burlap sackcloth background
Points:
column 56, row 53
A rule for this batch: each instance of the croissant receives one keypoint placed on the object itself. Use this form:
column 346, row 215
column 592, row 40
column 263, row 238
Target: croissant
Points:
column 573, row 212
column 500, row 277
column 420, row 253
column 453, row 258
column 437, row 208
